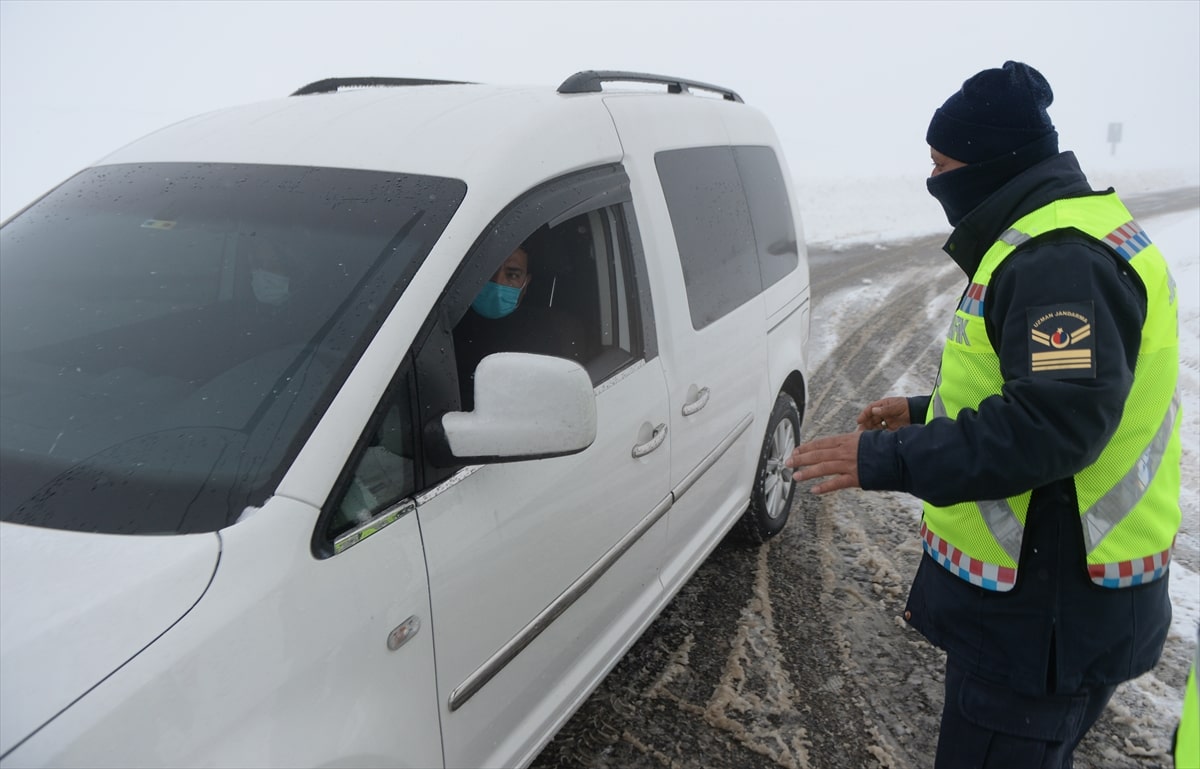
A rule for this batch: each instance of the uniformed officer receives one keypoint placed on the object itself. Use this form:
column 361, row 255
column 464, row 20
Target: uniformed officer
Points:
column 1048, row 454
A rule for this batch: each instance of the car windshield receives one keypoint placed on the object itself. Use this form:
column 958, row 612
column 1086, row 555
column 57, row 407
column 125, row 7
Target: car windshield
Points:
column 171, row 333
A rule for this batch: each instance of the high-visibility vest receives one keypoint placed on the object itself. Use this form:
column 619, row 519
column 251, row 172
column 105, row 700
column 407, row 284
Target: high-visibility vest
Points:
column 1129, row 497
column 1187, row 739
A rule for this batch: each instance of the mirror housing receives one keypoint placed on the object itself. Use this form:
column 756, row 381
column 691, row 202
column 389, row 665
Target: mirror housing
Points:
column 526, row 407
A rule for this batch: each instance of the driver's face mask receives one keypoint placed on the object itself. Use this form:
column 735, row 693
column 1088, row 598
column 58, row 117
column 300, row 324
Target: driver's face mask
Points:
column 497, row 301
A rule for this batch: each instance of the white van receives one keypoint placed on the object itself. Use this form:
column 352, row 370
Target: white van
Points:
column 277, row 492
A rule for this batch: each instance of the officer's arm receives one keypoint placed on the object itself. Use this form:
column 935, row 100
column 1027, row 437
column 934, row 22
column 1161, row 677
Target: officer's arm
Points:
column 1050, row 421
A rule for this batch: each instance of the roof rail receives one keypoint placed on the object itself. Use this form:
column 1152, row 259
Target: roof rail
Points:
column 590, row 82
column 332, row 84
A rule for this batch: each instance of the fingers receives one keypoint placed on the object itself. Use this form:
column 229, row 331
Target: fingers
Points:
column 836, row 483
column 834, row 458
column 830, row 443
column 814, row 466
column 875, row 417
column 868, row 418
column 885, row 414
column 835, row 474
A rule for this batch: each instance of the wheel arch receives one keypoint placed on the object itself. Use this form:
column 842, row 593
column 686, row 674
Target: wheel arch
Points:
column 794, row 386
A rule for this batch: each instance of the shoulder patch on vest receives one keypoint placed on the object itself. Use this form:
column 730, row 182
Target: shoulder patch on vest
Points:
column 1128, row 239
column 1061, row 345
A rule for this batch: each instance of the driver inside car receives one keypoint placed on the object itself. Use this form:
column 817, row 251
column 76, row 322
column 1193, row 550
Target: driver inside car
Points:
column 501, row 320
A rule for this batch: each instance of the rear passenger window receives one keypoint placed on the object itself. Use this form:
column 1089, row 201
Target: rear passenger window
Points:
column 770, row 212
column 712, row 228
column 733, row 224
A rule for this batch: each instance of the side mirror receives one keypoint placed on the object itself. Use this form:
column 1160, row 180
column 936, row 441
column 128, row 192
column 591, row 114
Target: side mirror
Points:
column 526, row 407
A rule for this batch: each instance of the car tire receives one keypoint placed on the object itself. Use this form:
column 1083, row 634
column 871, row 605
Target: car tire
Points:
column 771, row 496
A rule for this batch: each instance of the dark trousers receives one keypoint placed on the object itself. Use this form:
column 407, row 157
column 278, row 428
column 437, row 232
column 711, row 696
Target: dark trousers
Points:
column 986, row 726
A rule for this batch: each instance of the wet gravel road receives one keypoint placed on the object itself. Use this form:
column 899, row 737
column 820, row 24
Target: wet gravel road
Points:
column 795, row 655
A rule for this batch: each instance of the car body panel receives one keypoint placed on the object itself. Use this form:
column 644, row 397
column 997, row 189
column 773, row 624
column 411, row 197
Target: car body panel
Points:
column 716, row 445
column 504, row 541
column 285, row 663
column 467, row 132
column 98, row 602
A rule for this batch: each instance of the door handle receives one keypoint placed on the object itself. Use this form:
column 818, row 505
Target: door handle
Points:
column 656, row 440
column 698, row 401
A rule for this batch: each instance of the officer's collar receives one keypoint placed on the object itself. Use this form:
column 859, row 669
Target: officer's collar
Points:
column 1050, row 180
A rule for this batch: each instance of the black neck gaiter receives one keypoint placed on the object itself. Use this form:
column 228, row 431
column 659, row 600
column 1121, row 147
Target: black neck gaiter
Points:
column 962, row 190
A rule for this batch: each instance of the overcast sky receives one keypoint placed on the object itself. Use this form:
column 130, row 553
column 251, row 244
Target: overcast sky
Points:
column 850, row 86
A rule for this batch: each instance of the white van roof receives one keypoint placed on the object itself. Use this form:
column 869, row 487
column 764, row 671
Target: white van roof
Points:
column 458, row 130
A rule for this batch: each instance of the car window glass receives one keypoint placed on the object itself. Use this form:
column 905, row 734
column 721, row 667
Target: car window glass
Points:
column 713, row 230
column 770, row 212
column 171, row 333
column 384, row 472
column 577, row 303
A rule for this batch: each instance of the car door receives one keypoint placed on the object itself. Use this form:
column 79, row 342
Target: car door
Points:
column 700, row 247
column 541, row 571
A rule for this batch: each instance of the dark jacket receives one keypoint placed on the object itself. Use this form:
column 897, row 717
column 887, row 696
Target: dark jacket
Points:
column 1055, row 631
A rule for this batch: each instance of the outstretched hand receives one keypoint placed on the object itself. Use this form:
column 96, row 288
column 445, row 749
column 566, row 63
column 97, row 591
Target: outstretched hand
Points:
column 834, row 457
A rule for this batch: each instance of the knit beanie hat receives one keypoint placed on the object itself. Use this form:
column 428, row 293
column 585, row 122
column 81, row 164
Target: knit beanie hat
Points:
column 995, row 112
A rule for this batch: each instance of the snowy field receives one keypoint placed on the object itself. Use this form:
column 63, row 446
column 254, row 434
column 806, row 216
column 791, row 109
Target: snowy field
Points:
column 839, row 213
column 879, row 209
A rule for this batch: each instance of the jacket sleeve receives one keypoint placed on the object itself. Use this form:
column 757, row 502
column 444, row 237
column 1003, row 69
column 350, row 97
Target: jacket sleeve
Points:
column 918, row 406
column 1038, row 429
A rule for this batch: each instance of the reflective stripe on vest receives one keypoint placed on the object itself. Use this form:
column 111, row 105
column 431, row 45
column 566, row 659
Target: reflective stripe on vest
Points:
column 1098, row 520
column 989, row 576
column 1110, row 509
column 1132, row 488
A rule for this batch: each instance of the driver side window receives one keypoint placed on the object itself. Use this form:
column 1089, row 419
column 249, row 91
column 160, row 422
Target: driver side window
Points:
column 571, row 293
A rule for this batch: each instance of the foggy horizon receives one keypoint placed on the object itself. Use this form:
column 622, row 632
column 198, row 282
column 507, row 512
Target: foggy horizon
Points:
column 849, row 86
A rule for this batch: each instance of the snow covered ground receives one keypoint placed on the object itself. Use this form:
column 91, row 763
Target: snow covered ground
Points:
column 854, row 211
